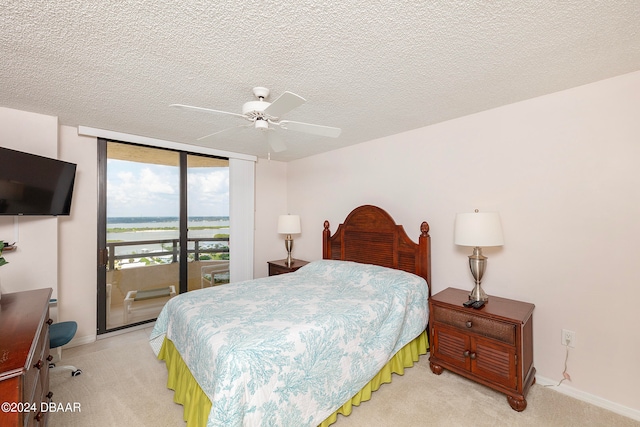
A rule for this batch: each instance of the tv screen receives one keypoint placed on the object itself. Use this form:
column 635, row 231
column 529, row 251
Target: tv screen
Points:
column 34, row 185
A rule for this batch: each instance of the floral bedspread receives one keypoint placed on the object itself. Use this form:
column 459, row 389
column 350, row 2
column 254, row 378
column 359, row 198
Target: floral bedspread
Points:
column 288, row 350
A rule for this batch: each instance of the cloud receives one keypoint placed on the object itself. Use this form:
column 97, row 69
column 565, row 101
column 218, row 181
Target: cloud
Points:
column 139, row 189
column 156, row 183
column 208, row 192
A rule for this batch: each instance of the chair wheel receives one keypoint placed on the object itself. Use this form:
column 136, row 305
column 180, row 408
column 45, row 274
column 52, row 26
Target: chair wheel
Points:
column 76, row 372
column 52, row 365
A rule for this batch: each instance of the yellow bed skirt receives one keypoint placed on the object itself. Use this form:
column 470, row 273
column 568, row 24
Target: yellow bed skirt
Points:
column 197, row 405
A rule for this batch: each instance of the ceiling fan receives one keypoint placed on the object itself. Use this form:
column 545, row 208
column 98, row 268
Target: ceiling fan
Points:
column 265, row 116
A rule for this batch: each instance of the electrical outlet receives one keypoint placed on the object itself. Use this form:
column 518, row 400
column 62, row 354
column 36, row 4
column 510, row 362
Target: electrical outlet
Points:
column 568, row 338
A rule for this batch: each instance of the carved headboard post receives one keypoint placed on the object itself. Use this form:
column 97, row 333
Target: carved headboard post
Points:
column 326, row 241
column 424, row 243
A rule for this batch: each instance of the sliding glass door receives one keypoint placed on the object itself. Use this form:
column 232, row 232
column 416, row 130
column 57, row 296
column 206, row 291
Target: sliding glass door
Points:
column 163, row 229
column 208, row 221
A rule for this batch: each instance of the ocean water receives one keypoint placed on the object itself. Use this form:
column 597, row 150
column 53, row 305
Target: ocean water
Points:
column 163, row 222
column 154, row 228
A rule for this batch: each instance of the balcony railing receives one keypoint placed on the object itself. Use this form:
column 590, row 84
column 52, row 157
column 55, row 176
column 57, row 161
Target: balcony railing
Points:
column 172, row 250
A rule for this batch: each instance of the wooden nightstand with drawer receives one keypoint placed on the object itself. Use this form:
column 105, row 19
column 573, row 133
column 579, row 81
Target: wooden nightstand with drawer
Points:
column 280, row 266
column 492, row 345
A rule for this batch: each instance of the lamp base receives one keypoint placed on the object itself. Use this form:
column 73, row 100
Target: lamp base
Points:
column 289, row 261
column 478, row 264
column 478, row 294
column 288, row 244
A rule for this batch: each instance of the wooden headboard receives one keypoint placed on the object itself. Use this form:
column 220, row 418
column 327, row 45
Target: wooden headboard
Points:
column 369, row 235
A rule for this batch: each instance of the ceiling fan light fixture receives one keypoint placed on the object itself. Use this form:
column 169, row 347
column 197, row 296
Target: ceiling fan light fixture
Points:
column 261, row 124
column 253, row 109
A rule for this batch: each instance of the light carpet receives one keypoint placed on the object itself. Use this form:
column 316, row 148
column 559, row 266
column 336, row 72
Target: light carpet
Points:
column 123, row 384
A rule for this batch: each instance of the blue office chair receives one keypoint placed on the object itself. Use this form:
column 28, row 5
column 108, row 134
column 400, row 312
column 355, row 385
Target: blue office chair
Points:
column 60, row 334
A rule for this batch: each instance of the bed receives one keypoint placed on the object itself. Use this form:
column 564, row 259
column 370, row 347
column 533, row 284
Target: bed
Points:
column 300, row 348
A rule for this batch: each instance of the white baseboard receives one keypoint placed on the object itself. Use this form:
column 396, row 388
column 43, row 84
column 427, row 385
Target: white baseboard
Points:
column 88, row 339
column 76, row 341
column 126, row 330
column 589, row 398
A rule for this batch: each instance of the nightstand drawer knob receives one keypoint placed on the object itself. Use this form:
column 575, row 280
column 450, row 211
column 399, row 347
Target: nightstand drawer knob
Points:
column 467, row 353
column 469, row 324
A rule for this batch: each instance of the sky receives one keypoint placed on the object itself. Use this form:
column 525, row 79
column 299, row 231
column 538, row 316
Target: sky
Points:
column 143, row 189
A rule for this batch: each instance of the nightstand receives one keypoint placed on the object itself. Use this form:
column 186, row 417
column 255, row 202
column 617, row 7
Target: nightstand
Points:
column 280, row 266
column 492, row 345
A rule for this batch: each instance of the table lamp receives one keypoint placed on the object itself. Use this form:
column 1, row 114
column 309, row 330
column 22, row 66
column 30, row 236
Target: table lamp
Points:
column 289, row 224
column 478, row 230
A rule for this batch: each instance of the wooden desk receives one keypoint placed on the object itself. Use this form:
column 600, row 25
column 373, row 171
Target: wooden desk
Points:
column 24, row 357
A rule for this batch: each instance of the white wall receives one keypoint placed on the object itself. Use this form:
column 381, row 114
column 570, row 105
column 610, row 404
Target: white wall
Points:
column 271, row 201
column 34, row 264
column 562, row 171
column 77, row 244
column 57, row 253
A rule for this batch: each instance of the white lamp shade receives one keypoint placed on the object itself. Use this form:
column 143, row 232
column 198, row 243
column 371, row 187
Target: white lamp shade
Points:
column 478, row 229
column 289, row 224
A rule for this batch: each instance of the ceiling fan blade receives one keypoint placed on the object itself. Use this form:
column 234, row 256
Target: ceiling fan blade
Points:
column 283, row 104
column 205, row 110
column 227, row 130
column 310, row 128
column 275, row 142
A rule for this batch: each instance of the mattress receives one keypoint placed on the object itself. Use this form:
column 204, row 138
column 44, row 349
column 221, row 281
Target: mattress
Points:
column 291, row 349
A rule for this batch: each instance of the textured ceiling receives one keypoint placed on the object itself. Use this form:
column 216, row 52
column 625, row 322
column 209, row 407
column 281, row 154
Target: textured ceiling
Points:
column 372, row 68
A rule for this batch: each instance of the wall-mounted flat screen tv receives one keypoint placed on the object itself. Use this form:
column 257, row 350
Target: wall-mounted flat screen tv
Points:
column 34, row 185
